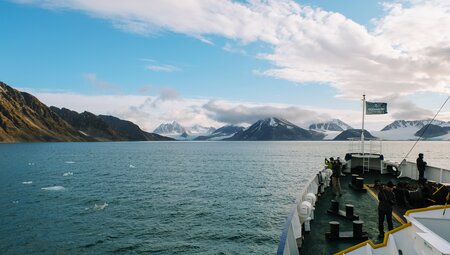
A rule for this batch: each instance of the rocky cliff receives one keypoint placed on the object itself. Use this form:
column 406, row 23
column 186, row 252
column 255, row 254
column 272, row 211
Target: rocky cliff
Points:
column 23, row 118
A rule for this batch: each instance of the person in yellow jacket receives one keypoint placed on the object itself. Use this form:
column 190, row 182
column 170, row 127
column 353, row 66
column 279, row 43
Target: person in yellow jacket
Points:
column 329, row 163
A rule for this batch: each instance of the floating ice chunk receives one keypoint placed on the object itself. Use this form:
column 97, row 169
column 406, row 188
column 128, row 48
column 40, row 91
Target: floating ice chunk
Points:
column 27, row 182
column 68, row 174
column 54, row 188
column 100, row 207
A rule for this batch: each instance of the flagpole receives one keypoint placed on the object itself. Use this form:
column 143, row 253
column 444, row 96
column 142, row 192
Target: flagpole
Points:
column 362, row 128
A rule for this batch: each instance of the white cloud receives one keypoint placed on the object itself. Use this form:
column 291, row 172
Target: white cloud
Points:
column 150, row 111
column 100, row 84
column 146, row 111
column 248, row 113
column 404, row 109
column 144, row 89
column 233, row 49
column 165, row 94
column 153, row 66
column 407, row 51
column 162, row 68
column 148, row 115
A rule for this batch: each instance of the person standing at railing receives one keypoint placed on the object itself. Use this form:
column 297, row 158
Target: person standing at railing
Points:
column 335, row 178
column 329, row 163
column 421, row 165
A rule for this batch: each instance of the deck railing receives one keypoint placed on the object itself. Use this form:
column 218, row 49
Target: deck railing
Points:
column 371, row 146
column 409, row 169
column 292, row 231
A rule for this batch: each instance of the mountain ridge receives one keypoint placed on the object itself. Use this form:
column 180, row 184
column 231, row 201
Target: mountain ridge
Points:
column 178, row 131
column 332, row 125
column 106, row 127
column 275, row 129
column 411, row 123
column 221, row 133
column 23, row 118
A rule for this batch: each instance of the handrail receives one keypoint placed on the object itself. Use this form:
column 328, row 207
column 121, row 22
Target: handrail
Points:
column 409, row 169
column 288, row 231
column 375, row 145
column 284, row 234
column 424, row 209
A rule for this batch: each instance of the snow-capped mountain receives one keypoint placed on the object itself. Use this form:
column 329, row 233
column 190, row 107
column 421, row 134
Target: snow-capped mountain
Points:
column 198, row 129
column 409, row 130
column 179, row 132
column 275, row 129
column 399, row 124
column 221, row 133
column 431, row 131
column 173, row 128
column 332, row 125
column 331, row 128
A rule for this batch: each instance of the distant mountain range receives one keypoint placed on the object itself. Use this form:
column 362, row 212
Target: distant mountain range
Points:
column 179, row 132
column 397, row 130
column 412, row 129
column 399, row 124
column 23, row 118
column 221, row 133
column 105, row 127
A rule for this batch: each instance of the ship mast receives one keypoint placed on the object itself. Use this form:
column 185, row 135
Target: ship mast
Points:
column 362, row 128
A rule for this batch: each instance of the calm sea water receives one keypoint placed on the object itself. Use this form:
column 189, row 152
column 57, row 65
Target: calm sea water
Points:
column 161, row 197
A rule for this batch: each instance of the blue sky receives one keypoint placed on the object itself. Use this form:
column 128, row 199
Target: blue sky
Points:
column 74, row 53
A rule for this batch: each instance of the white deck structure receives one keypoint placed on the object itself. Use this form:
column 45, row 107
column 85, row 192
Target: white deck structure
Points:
column 426, row 233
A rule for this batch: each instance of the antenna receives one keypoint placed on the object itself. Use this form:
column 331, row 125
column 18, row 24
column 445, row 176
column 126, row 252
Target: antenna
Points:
column 362, row 128
column 425, row 129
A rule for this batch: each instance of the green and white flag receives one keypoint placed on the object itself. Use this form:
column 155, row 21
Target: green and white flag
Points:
column 376, row 108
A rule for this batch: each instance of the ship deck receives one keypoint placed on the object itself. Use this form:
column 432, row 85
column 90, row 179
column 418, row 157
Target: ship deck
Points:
column 365, row 206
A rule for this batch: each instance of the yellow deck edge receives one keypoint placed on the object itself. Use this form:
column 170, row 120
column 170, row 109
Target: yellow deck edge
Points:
column 374, row 246
column 386, row 235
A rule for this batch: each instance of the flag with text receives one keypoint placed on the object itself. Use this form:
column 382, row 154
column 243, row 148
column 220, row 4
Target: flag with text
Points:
column 376, row 108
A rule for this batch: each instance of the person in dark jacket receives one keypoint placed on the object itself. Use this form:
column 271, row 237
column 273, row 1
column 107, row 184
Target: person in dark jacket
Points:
column 336, row 183
column 421, row 166
column 386, row 200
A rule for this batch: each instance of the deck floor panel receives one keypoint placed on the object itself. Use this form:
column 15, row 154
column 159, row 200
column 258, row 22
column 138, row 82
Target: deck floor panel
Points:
column 365, row 206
